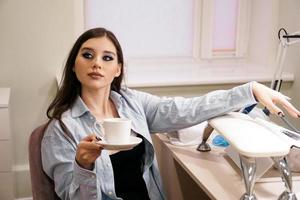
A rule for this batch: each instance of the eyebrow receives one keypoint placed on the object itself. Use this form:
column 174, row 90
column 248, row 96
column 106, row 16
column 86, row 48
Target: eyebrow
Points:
column 91, row 49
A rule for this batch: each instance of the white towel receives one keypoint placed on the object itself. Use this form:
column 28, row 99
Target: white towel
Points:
column 188, row 136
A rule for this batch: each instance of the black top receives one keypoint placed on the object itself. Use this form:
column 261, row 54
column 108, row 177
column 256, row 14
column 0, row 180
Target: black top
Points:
column 128, row 173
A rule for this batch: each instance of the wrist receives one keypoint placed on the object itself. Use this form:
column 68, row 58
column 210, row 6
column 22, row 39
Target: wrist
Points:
column 254, row 90
column 88, row 166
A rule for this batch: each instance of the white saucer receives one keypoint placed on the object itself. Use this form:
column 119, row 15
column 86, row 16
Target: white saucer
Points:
column 132, row 143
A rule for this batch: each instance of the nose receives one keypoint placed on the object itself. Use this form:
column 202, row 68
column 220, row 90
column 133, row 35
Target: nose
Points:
column 97, row 63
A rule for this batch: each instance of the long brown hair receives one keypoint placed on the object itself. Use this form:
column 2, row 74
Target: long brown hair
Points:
column 71, row 88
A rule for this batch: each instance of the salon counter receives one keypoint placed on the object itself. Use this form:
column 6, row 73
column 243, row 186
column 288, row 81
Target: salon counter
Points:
column 190, row 174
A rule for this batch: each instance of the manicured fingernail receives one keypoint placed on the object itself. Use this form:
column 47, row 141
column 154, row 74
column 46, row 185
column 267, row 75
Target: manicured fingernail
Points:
column 98, row 138
column 280, row 114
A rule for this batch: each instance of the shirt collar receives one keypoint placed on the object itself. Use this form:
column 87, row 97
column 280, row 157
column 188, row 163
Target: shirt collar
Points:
column 115, row 97
column 79, row 108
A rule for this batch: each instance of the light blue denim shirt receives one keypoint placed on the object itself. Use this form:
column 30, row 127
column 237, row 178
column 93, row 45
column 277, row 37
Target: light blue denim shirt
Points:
column 149, row 114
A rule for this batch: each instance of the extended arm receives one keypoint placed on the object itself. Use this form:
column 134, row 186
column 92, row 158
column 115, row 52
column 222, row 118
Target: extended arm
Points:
column 169, row 114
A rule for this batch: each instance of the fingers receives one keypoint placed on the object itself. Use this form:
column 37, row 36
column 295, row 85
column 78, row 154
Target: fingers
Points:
column 270, row 98
column 289, row 107
column 90, row 145
column 88, row 150
column 272, row 107
column 282, row 100
column 90, row 142
column 275, row 110
column 91, row 137
column 265, row 96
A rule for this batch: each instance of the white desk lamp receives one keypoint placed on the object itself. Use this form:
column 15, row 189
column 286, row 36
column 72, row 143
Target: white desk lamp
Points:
column 286, row 40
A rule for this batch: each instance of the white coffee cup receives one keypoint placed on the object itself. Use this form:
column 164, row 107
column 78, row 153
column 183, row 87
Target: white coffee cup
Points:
column 117, row 130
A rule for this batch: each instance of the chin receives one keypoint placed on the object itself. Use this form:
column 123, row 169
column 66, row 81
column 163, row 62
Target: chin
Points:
column 97, row 87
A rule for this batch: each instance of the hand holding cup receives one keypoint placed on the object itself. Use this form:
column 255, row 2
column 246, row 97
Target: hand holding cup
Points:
column 88, row 150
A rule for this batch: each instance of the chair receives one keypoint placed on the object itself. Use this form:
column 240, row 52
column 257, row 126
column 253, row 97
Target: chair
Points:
column 42, row 185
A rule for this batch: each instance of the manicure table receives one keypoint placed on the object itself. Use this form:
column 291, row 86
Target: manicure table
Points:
column 253, row 140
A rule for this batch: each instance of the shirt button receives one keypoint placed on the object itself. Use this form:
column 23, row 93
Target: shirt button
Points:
column 93, row 176
column 110, row 192
column 95, row 196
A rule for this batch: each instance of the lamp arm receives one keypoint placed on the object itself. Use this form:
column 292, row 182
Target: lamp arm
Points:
column 285, row 41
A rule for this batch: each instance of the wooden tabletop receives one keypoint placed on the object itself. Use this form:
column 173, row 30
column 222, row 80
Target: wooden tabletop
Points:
column 216, row 174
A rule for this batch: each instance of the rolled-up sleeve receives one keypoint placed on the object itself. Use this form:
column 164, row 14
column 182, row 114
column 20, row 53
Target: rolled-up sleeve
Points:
column 170, row 114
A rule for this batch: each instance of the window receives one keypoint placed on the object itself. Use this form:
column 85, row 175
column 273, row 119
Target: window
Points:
column 177, row 42
column 225, row 28
column 167, row 29
column 146, row 29
column 225, row 17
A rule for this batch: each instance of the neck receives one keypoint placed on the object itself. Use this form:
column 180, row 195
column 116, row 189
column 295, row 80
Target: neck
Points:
column 99, row 103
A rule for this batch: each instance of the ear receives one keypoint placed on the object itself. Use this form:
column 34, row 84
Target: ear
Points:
column 118, row 72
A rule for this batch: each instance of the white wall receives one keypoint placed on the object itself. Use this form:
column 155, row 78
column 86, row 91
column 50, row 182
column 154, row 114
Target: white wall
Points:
column 35, row 38
column 262, row 37
column 288, row 16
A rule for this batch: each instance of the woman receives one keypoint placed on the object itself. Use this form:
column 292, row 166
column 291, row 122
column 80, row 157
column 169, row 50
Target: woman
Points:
column 90, row 92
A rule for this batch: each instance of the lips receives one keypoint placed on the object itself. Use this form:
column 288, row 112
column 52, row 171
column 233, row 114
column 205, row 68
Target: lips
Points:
column 95, row 75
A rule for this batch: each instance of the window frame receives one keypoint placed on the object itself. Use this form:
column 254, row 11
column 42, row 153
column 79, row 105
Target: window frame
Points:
column 203, row 61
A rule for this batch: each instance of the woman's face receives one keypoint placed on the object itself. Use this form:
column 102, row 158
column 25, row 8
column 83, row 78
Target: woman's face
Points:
column 96, row 64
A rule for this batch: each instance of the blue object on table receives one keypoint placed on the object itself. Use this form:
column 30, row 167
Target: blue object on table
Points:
column 220, row 141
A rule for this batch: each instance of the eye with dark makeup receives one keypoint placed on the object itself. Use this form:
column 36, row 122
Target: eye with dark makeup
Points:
column 107, row 58
column 87, row 55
